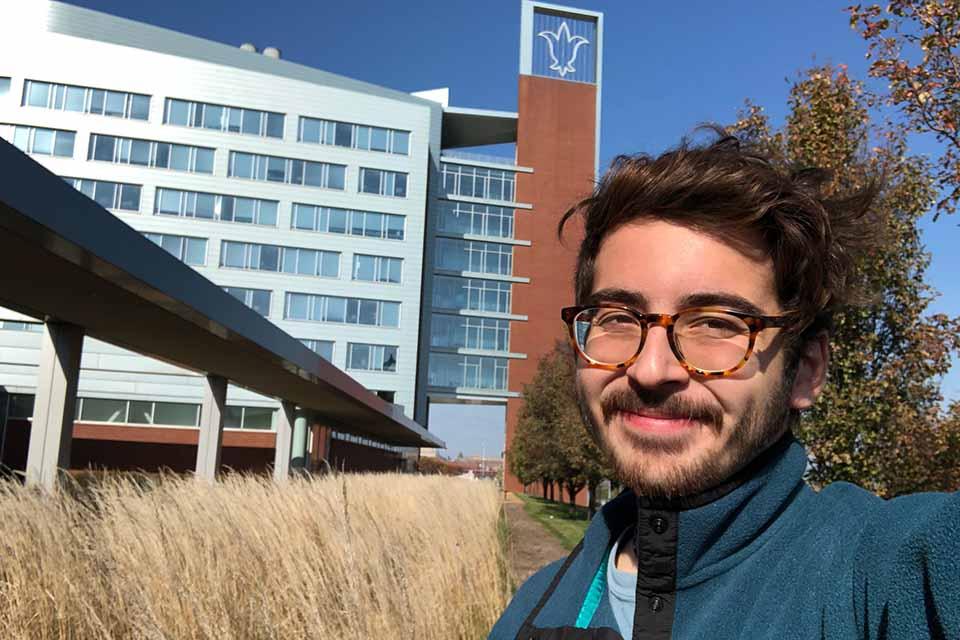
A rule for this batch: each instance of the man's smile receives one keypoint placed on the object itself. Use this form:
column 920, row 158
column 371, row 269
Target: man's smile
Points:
column 654, row 422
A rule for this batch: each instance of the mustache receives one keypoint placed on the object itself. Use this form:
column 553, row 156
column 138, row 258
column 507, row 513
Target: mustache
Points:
column 636, row 400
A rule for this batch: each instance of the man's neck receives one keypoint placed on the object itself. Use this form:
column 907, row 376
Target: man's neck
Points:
column 626, row 559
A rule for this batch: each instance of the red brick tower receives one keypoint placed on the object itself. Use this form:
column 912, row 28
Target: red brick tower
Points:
column 557, row 135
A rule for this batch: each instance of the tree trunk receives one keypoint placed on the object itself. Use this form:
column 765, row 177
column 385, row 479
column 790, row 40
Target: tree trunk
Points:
column 592, row 499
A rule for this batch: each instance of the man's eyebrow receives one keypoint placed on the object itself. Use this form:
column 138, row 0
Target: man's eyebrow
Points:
column 619, row 296
column 721, row 299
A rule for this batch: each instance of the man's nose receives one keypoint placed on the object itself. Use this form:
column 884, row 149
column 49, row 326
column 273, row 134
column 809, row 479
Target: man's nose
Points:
column 657, row 365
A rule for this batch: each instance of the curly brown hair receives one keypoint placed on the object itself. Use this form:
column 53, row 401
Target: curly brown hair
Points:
column 723, row 187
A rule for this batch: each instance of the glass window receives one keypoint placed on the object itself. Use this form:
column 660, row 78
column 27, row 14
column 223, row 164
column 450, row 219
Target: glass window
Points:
column 115, row 104
column 250, row 122
column 298, row 306
column 336, row 176
column 162, row 155
column 100, row 410
column 233, row 417
column 139, row 107
column 243, row 210
column 104, row 193
column 97, row 98
column 169, row 201
column 260, row 302
column 338, row 221
column 42, row 141
column 130, row 197
column 364, row 267
column 390, row 314
column 313, row 174
column 257, row 418
column 140, row 153
column 393, row 270
column 336, row 309
column 268, row 213
column 389, row 362
column 276, row 169
column 329, row 264
column 269, row 258
column 289, row 260
column 103, row 147
column 213, row 117
column 178, row 414
column 395, row 227
column 400, row 186
column 296, row 171
column 378, row 139
column 372, row 225
column 226, row 207
column 75, row 99
column 87, row 187
column 370, row 181
column 242, row 165
column 304, row 217
column 363, row 137
column 307, row 262
column 401, row 142
column 358, row 356
column 204, row 160
column 140, row 412
column 234, row 120
column 20, row 406
column 63, row 146
column 343, row 136
column 4, row 87
column 356, row 223
column 178, row 112
column 205, row 206
column 310, row 130
column 180, row 157
column 37, row 94
column 172, row 244
column 196, row 251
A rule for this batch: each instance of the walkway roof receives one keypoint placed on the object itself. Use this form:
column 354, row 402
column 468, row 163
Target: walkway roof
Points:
column 65, row 258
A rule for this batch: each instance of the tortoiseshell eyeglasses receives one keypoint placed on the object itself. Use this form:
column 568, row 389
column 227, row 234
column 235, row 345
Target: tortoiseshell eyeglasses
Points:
column 708, row 341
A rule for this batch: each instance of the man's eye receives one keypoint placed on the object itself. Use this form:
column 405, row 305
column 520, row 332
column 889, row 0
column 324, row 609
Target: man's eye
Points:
column 715, row 326
column 616, row 321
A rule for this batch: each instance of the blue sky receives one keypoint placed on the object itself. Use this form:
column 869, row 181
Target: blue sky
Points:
column 667, row 68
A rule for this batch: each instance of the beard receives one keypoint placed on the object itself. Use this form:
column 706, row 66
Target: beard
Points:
column 672, row 467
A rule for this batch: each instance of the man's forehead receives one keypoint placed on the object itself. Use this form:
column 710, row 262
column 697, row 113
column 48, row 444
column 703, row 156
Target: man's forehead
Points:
column 661, row 263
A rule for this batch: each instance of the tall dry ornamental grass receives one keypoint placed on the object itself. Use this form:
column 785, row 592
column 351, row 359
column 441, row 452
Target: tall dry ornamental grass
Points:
column 354, row 556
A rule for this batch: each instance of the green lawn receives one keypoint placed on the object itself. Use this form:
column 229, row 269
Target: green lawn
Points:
column 566, row 522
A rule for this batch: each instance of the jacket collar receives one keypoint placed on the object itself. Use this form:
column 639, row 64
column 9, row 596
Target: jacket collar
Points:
column 719, row 523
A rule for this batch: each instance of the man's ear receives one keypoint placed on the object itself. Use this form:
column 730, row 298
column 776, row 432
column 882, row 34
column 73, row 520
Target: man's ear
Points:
column 811, row 371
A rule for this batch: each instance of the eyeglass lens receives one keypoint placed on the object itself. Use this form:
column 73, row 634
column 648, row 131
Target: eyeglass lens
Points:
column 709, row 340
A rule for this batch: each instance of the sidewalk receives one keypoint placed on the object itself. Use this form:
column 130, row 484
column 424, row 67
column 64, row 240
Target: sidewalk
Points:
column 530, row 545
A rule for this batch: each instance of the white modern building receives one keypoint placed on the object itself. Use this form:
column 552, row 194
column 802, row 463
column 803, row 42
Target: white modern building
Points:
column 337, row 209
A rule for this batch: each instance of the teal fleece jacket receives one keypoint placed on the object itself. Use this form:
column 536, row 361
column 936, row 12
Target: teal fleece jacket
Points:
column 762, row 557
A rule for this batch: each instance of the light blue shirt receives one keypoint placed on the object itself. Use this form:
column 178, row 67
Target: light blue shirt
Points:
column 622, row 588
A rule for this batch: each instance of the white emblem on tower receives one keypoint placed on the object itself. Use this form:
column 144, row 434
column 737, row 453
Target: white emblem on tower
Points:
column 562, row 44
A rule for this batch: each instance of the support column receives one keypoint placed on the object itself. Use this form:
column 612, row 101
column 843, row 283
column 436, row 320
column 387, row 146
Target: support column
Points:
column 298, row 456
column 284, row 446
column 52, row 431
column 320, row 449
column 210, row 442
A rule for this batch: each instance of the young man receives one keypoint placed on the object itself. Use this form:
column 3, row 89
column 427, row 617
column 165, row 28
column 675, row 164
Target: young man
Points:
column 705, row 286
